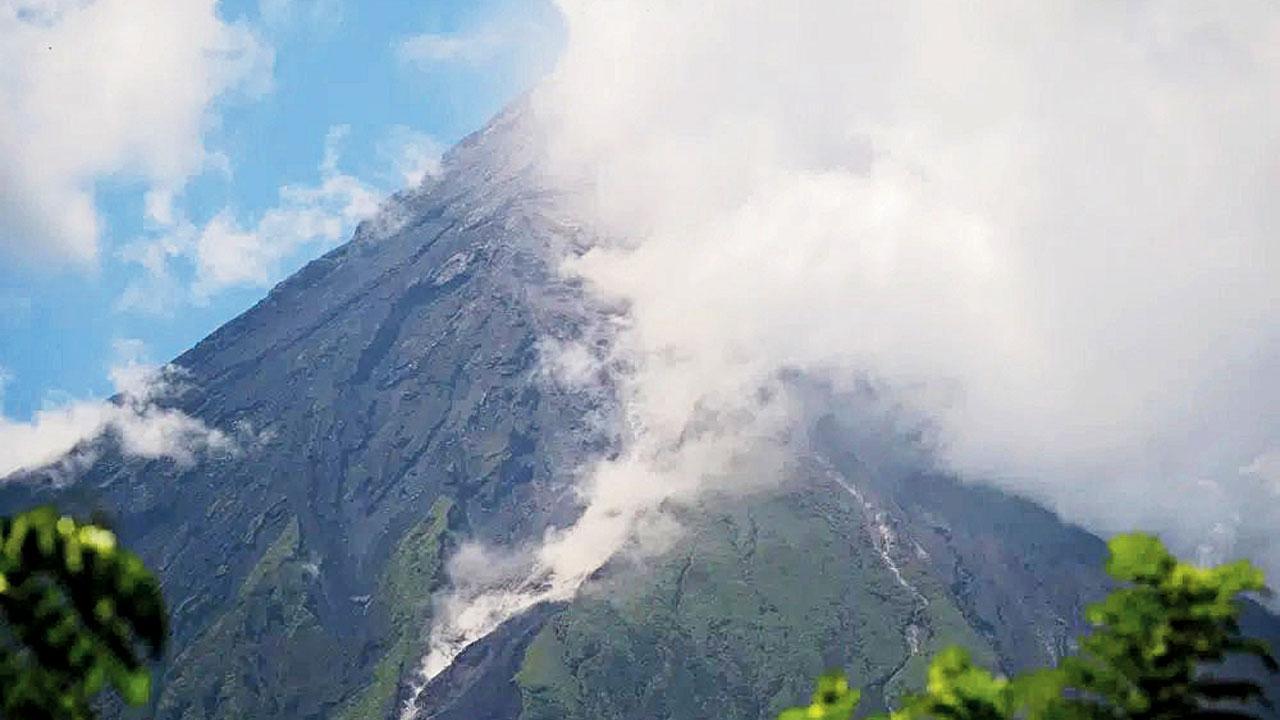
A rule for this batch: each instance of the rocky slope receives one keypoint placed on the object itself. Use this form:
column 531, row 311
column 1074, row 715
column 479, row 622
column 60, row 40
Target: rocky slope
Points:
column 390, row 406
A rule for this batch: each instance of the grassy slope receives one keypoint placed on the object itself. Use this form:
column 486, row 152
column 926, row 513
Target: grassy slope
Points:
column 404, row 601
column 268, row 654
column 736, row 621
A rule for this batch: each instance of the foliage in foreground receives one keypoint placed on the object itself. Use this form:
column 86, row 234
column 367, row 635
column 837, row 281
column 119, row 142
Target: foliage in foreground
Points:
column 1152, row 655
column 76, row 609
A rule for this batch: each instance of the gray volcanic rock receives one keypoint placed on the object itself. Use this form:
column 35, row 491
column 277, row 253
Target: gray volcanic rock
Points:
column 397, row 370
column 481, row 682
column 390, row 404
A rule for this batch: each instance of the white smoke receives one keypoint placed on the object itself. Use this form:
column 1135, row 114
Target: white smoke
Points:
column 1049, row 227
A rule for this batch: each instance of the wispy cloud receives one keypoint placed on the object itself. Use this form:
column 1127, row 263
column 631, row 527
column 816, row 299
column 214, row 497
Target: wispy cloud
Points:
column 412, row 156
column 428, row 49
column 227, row 253
column 184, row 262
column 524, row 35
column 60, row 436
column 314, row 17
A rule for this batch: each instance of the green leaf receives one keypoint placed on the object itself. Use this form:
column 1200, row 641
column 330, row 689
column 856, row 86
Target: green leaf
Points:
column 77, row 608
column 135, row 687
column 832, row 700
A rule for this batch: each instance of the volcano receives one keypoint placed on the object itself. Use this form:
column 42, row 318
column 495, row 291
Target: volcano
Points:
column 392, row 407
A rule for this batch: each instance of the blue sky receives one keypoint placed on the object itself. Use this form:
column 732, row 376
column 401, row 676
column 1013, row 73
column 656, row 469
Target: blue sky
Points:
column 216, row 106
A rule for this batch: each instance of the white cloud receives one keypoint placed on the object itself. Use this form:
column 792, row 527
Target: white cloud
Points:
column 138, row 422
column 522, row 37
column 429, row 49
column 413, row 156
column 1266, row 467
column 1050, row 227
column 106, row 88
column 225, row 252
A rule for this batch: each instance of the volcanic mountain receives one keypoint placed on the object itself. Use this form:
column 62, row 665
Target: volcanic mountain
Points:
column 391, row 406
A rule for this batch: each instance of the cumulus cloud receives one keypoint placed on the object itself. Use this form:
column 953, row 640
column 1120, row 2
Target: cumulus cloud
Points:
column 225, row 252
column 60, row 435
column 1049, row 228
column 107, row 88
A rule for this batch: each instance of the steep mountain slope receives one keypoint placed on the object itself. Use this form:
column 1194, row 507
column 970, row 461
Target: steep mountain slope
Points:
column 863, row 566
column 386, row 399
column 390, row 405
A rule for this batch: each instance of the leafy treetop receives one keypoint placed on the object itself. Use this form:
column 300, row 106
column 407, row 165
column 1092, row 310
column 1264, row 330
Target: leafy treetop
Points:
column 76, row 609
column 1156, row 652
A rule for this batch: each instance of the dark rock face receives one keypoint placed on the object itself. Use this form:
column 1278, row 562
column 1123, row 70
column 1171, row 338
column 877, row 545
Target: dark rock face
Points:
column 481, row 682
column 391, row 405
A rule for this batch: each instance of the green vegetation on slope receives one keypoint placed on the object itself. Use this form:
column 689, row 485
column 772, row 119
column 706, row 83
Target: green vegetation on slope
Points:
column 280, row 650
column 1156, row 653
column 404, row 599
column 268, row 655
column 733, row 622
column 944, row 625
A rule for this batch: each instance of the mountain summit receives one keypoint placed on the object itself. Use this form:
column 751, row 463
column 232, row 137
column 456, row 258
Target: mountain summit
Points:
column 395, row 412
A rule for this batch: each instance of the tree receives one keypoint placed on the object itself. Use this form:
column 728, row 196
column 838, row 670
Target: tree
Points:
column 76, row 610
column 1155, row 654
column 832, row 700
column 1159, row 638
